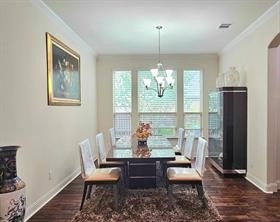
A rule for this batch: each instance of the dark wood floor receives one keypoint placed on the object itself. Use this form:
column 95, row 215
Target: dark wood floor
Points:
column 235, row 198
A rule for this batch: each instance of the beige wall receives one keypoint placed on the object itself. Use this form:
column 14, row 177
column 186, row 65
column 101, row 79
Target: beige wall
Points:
column 106, row 64
column 250, row 55
column 49, row 135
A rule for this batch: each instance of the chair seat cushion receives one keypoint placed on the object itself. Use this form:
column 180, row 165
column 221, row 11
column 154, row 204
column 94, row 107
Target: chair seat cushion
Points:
column 182, row 174
column 104, row 174
column 179, row 160
column 176, row 149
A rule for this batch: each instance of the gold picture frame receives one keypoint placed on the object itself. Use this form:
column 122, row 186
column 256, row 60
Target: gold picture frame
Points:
column 64, row 80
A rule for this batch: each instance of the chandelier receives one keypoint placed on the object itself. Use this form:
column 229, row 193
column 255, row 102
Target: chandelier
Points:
column 163, row 78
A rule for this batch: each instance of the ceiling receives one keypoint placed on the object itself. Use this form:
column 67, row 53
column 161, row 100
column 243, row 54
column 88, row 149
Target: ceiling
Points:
column 128, row 26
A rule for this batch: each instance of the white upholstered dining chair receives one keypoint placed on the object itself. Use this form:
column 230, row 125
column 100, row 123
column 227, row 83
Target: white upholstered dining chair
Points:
column 180, row 143
column 96, row 176
column 100, row 144
column 112, row 137
column 193, row 176
column 103, row 163
column 184, row 160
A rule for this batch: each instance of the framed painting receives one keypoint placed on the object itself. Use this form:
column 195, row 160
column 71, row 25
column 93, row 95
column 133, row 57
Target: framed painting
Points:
column 63, row 64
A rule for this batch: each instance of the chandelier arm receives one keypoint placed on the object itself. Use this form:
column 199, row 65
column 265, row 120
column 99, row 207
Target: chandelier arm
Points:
column 158, row 86
column 164, row 89
column 149, row 88
column 160, row 92
column 167, row 87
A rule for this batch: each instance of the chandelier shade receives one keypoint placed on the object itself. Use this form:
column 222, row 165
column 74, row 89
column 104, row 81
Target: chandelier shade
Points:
column 163, row 78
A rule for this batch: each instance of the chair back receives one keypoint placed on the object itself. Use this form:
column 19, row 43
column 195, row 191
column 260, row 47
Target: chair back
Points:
column 100, row 146
column 181, row 135
column 112, row 136
column 86, row 159
column 200, row 155
column 188, row 148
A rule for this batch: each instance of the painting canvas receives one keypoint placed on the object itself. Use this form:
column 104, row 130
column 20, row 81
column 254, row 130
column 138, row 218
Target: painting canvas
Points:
column 63, row 73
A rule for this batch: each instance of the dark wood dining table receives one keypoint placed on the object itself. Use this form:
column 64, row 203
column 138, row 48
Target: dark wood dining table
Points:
column 143, row 162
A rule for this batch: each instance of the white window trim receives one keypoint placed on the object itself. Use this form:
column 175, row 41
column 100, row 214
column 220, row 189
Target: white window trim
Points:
column 180, row 114
column 201, row 101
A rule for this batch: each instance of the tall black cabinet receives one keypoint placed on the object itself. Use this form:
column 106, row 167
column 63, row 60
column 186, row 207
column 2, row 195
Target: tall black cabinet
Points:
column 227, row 134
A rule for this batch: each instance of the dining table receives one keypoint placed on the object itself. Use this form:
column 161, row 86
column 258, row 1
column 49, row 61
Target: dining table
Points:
column 144, row 161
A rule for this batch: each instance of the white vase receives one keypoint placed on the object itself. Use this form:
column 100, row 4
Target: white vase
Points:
column 12, row 188
column 232, row 77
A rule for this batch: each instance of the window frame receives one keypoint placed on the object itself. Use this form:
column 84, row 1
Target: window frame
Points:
column 201, row 102
column 160, row 113
column 180, row 111
column 113, row 103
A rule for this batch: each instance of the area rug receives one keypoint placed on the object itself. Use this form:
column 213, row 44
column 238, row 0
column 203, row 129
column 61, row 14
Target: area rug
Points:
column 149, row 205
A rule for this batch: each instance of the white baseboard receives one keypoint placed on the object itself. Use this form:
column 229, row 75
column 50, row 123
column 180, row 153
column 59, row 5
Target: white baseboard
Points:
column 37, row 205
column 266, row 188
column 272, row 187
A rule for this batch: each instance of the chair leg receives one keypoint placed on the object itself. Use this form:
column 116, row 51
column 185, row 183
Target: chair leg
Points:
column 200, row 192
column 84, row 195
column 166, row 181
column 125, row 176
column 170, row 195
column 89, row 192
column 123, row 185
column 115, row 187
column 164, row 169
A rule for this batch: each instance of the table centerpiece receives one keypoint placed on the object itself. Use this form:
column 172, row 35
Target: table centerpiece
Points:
column 142, row 133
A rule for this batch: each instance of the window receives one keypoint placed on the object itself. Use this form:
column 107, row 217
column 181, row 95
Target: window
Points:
column 213, row 114
column 122, row 102
column 193, row 102
column 160, row 112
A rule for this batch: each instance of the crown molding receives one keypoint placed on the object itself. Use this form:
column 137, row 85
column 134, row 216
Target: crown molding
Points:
column 253, row 26
column 59, row 22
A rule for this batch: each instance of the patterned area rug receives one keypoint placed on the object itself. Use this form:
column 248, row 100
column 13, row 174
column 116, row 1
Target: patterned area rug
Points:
column 147, row 205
